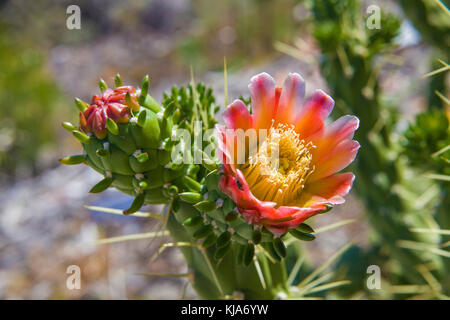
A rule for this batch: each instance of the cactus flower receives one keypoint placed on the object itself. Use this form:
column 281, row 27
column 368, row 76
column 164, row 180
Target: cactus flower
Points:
column 305, row 180
column 111, row 104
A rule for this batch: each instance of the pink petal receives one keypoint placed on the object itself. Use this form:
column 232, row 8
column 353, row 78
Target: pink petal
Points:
column 222, row 151
column 236, row 115
column 316, row 109
column 125, row 89
column 262, row 90
column 237, row 189
column 107, row 94
column 297, row 214
column 330, row 136
column 97, row 121
column 332, row 188
column 339, row 158
column 291, row 99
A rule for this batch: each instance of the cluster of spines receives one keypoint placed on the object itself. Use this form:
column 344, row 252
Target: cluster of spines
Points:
column 193, row 102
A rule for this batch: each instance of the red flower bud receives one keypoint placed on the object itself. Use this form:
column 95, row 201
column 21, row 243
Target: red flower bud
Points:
column 111, row 104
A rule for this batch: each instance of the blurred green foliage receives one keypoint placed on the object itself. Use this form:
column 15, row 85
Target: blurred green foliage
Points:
column 391, row 190
column 433, row 23
column 243, row 31
column 426, row 139
column 28, row 102
column 431, row 20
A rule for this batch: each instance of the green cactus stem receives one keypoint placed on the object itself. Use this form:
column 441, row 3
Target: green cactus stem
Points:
column 219, row 279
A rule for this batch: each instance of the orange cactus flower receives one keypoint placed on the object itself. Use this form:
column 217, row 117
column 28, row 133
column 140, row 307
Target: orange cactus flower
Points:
column 304, row 180
column 111, row 104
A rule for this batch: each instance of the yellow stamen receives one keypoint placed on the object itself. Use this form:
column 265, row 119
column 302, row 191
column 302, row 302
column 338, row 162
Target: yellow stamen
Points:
column 279, row 169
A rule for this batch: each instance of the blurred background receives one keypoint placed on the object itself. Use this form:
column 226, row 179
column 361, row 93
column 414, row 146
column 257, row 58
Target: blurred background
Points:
column 377, row 75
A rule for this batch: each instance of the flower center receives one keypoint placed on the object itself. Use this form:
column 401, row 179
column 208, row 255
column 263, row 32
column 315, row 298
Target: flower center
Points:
column 278, row 170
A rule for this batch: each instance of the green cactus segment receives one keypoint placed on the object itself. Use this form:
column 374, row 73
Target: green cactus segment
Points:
column 147, row 134
column 80, row 104
column 231, row 216
column 240, row 254
column 224, row 239
column 136, row 205
column 76, row 159
column 82, row 137
column 203, row 231
column 279, row 247
column 193, row 221
column 216, row 274
column 302, row 235
column 192, row 184
column 209, row 241
column 118, row 81
column 102, row 185
column 220, row 252
column 68, row 126
column 191, row 197
column 145, row 84
column 112, row 127
column 102, row 85
column 249, row 252
column 205, row 206
column 256, row 237
column 124, row 141
column 135, row 157
column 270, row 250
column 303, row 227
